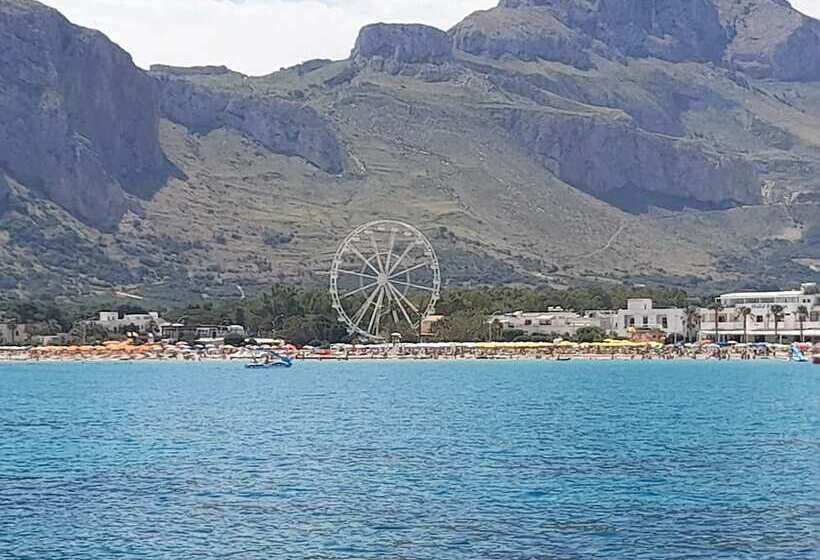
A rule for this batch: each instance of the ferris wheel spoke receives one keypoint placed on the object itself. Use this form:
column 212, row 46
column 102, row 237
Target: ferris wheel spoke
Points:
column 411, row 285
column 377, row 252
column 397, row 301
column 401, row 258
column 374, row 319
column 359, row 274
column 409, row 270
column 364, row 259
column 359, row 290
column 401, row 296
column 390, row 245
column 362, row 311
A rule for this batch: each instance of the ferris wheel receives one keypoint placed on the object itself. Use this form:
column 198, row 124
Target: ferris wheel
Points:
column 385, row 278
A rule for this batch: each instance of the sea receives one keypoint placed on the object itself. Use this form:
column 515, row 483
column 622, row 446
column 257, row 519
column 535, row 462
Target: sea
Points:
column 410, row 460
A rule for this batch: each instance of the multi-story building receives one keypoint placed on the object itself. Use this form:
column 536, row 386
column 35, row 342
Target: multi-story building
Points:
column 554, row 321
column 178, row 332
column 641, row 315
column 144, row 323
column 798, row 316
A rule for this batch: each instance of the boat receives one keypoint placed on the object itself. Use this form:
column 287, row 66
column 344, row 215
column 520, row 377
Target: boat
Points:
column 796, row 354
column 270, row 360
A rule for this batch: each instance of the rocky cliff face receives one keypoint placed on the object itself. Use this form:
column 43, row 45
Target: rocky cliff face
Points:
column 771, row 40
column 525, row 33
column 672, row 30
column 760, row 38
column 78, row 121
column 402, row 44
column 282, row 126
column 630, row 164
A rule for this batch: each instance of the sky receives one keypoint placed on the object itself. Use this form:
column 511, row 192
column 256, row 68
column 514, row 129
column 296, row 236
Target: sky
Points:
column 260, row 36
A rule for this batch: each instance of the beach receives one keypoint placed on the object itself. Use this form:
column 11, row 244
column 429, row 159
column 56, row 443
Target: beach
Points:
column 561, row 351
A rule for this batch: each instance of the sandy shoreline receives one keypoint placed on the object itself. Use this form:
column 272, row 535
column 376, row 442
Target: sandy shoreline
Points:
column 335, row 359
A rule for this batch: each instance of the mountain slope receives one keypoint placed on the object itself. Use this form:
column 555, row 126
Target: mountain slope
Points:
column 541, row 141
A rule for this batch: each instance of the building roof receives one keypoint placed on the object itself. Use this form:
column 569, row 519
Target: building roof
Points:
column 763, row 294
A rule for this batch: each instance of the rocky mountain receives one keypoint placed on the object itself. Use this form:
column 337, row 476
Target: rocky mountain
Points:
column 560, row 141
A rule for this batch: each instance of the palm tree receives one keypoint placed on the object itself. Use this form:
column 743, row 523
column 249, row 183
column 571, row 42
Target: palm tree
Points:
column 802, row 315
column 717, row 307
column 745, row 312
column 692, row 320
column 777, row 314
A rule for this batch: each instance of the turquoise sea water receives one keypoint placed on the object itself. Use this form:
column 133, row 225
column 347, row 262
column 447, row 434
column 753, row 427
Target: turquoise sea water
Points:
column 424, row 460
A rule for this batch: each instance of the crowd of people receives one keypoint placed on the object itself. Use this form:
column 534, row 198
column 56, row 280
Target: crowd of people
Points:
column 560, row 351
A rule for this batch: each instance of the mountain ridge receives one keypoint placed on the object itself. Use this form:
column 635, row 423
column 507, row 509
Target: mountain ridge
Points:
column 555, row 151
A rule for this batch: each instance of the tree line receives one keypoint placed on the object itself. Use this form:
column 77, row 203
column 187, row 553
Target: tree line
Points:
column 306, row 315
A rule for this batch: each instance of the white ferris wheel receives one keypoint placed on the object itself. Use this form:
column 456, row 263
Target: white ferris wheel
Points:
column 385, row 277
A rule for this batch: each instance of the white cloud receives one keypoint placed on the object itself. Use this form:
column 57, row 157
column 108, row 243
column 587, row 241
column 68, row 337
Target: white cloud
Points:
column 252, row 36
column 808, row 7
column 260, row 36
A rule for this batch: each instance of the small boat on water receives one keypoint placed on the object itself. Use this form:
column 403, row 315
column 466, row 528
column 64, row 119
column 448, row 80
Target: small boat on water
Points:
column 269, row 361
column 796, row 354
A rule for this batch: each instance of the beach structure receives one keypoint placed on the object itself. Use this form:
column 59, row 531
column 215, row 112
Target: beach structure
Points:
column 430, row 325
column 554, row 321
column 774, row 317
column 12, row 333
column 641, row 317
column 178, row 332
column 141, row 323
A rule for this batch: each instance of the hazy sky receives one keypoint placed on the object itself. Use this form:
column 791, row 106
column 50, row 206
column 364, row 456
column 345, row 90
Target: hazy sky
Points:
column 260, row 36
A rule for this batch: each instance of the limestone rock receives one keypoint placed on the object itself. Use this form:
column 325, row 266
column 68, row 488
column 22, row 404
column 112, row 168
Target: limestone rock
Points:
column 283, row 126
column 526, row 33
column 614, row 160
column 770, row 40
column 402, row 44
column 674, row 30
column 78, row 121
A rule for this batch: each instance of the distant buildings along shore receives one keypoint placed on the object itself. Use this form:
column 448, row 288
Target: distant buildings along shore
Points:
column 744, row 317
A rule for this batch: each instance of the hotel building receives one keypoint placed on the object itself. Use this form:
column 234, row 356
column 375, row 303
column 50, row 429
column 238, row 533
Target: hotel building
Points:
column 800, row 317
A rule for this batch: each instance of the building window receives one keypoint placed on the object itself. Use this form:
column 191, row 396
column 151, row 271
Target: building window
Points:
column 759, row 319
column 645, row 321
column 527, row 323
column 664, row 322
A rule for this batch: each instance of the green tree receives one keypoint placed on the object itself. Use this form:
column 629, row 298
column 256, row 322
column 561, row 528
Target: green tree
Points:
column 463, row 326
column 692, row 321
column 802, row 315
column 776, row 312
column 590, row 334
column 717, row 307
column 744, row 314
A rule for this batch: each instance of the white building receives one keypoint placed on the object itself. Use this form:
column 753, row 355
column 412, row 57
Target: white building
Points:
column 554, row 321
column 642, row 315
column 760, row 323
column 144, row 322
column 13, row 333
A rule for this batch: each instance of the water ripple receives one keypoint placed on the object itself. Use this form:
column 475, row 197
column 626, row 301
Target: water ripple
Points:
column 441, row 461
